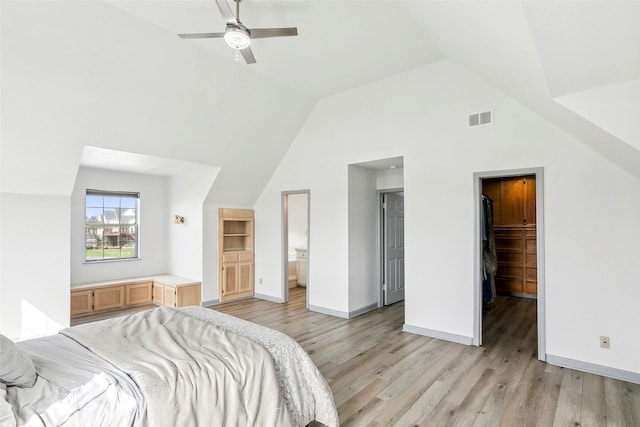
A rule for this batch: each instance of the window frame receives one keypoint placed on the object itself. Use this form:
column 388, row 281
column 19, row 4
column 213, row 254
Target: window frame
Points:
column 132, row 231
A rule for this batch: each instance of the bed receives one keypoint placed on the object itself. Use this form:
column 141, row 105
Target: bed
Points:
column 163, row 367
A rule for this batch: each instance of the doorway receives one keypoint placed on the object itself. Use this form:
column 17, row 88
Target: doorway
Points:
column 518, row 205
column 295, row 242
column 391, row 243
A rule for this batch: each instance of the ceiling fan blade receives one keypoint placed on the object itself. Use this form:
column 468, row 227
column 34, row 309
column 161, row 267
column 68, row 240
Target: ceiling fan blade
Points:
column 226, row 11
column 247, row 54
column 262, row 33
column 201, row 36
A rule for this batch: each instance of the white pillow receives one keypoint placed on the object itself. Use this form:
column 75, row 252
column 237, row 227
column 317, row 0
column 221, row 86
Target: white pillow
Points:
column 16, row 368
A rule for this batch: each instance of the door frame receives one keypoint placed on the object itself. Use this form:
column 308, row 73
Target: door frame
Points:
column 284, row 242
column 379, row 238
column 477, row 288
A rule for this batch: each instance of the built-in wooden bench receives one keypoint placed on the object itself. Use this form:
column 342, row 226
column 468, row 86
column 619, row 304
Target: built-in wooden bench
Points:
column 163, row 289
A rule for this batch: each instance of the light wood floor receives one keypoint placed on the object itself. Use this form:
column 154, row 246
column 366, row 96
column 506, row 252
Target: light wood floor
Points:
column 383, row 376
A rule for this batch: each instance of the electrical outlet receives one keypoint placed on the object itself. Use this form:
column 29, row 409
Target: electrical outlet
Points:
column 605, row 342
column 260, row 281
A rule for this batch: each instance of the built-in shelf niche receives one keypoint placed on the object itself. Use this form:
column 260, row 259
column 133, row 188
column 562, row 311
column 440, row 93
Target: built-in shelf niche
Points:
column 235, row 240
column 237, row 234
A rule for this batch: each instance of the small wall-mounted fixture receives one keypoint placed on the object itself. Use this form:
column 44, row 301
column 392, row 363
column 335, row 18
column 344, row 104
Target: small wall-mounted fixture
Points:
column 177, row 219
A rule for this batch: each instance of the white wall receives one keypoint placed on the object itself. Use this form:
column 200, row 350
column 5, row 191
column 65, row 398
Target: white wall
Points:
column 591, row 207
column 34, row 275
column 363, row 255
column 390, row 179
column 186, row 195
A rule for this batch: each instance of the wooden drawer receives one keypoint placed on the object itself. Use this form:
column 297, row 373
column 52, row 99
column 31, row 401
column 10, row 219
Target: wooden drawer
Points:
column 509, row 271
column 509, row 286
column 508, row 232
column 510, row 257
column 245, row 256
column 230, row 257
column 509, row 244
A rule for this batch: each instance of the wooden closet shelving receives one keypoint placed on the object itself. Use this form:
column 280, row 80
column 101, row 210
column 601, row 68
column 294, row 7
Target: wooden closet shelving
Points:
column 514, row 226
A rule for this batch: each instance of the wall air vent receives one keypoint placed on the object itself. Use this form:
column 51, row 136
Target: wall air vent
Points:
column 478, row 119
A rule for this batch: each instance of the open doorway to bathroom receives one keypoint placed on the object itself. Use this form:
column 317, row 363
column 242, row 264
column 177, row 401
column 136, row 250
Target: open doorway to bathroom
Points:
column 295, row 243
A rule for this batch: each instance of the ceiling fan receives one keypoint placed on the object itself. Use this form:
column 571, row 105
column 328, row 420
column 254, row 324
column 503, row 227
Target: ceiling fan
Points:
column 237, row 35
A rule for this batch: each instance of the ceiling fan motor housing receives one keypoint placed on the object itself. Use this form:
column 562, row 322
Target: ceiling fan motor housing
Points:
column 237, row 36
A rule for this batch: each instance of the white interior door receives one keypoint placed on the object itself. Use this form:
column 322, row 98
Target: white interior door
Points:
column 393, row 220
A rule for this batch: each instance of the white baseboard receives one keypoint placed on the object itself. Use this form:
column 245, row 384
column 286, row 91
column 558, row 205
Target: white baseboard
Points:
column 362, row 310
column 343, row 314
column 460, row 339
column 329, row 311
column 210, row 302
column 592, row 368
column 268, row 298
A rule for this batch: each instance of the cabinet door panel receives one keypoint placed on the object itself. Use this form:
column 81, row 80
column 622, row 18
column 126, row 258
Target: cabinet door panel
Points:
column 158, row 293
column 491, row 187
column 188, row 295
column 245, row 278
column 229, row 279
column 139, row 293
column 108, row 298
column 530, row 200
column 81, row 302
column 513, row 201
column 169, row 296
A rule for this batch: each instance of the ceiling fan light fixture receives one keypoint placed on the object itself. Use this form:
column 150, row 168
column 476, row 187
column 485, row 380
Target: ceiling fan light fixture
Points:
column 237, row 38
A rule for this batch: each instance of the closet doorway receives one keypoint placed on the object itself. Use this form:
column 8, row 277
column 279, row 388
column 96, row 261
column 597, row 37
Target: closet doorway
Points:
column 512, row 264
column 295, row 242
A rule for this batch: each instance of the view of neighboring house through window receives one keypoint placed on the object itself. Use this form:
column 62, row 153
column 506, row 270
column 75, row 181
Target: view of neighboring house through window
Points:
column 111, row 225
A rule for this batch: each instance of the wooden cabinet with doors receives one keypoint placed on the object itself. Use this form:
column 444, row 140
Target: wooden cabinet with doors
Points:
column 235, row 253
column 163, row 289
column 514, row 200
column 514, row 221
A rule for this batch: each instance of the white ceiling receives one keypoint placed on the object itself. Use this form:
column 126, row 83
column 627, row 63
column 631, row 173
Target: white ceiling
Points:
column 534, row 50
column 123, row 161
column 340, row 44
column 575, row 63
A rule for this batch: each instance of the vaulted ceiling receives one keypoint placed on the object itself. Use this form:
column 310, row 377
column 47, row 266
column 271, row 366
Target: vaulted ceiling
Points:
column 575, row 63
column 563, row 59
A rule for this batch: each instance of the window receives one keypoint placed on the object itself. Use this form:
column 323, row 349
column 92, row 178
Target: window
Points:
column 111, row 225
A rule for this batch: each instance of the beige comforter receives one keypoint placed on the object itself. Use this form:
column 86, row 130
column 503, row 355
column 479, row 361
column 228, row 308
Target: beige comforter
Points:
column 189, row 371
